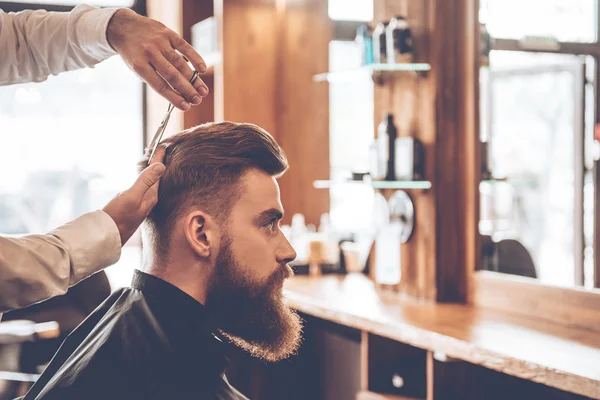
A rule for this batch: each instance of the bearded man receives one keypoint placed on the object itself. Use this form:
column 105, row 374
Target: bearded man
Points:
column 214, row 265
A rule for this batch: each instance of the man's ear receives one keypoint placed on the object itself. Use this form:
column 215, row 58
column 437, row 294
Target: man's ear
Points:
column 201, row 233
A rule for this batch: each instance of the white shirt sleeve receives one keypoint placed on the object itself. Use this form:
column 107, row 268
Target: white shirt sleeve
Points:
column 36, row 267
column 36, row 44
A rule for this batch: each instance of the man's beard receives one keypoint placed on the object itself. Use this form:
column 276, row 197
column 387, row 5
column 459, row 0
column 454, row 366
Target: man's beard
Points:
column 252, row 315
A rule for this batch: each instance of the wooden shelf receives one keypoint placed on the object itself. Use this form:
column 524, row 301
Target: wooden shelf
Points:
column 557, row 356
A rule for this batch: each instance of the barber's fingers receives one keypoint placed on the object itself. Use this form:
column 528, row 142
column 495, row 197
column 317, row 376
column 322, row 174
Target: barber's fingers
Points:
column 198, row 83
column 145, row 188
column 159, row 155
column 149, row 198
column 187, row 50
column 179, row 77
column 129, row 208
column 175, row 78
column 161, row 87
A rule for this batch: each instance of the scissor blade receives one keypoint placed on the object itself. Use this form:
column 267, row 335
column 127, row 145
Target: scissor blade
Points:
column 160, row 132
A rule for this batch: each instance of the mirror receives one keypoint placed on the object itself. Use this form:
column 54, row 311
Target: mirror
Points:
column 538, row 103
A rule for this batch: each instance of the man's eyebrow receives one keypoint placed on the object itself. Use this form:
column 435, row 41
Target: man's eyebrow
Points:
column 271, row 213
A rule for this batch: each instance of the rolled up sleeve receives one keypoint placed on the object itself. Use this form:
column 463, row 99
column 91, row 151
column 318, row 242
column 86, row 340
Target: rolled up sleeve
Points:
column 36, row 267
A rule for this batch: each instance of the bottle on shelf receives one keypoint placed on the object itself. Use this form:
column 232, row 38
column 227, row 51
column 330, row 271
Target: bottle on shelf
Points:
column 364, row 41
column 399, row 41
column 376, row 169
column 379, row 43
column 410, row 159
column 386, row 137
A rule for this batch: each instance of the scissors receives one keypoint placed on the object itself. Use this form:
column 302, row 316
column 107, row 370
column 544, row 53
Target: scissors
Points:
column 163, row 124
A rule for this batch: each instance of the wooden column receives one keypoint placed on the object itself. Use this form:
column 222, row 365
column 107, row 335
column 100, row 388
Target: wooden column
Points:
column 302, row 107
column 455, row 70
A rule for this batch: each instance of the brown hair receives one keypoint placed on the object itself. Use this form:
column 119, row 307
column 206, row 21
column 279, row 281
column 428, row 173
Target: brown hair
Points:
column 204, row 166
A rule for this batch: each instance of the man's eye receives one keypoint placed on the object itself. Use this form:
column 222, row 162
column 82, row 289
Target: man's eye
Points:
column 271, row 225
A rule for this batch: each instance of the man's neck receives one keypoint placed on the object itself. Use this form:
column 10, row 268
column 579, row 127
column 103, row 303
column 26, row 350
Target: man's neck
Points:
column 188, row 279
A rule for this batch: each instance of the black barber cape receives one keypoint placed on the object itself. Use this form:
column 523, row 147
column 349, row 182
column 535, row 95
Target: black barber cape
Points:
column 149, row 341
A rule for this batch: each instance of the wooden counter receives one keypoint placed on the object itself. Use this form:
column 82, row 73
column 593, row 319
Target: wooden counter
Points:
column 556, row 356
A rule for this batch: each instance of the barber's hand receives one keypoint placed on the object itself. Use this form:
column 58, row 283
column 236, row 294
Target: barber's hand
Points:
column 154, row 53
column 129, row 208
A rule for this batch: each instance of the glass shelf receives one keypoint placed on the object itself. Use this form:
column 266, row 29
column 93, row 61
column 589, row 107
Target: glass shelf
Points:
column 370, row 70
column 520, row 182
column 376, row 184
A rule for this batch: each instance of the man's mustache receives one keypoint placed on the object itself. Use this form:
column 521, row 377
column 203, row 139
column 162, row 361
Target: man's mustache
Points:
column 280, row 275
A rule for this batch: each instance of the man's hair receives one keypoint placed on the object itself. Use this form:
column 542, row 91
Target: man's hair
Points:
column 204, row 167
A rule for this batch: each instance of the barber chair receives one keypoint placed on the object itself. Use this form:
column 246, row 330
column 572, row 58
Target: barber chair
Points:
column 13, row 335
column 32, row 335
column 507, row 256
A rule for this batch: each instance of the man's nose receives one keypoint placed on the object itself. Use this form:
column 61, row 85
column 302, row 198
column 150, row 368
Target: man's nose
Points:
column 286, row 254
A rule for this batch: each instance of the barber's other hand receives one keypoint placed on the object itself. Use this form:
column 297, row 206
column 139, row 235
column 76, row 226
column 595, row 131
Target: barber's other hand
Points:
column 129, row 208
column 150, row 49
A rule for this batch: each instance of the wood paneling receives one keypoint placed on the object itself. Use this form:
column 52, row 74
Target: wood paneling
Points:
column 558, row 356
column 249, row 46
column 302, row 107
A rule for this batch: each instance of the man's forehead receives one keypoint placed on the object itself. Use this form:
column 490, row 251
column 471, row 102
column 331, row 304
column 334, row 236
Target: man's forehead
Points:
column 260, row 192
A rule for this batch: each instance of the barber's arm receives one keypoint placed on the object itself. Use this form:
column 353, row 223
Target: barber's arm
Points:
column 37, row 267
column 37, row 44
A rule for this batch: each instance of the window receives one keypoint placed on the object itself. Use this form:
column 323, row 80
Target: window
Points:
column 351, row 10
column 69, row 145
column 565, row 20
column 538, row 117
column 351, row 124
column 536, row 131
column 351, row 132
